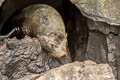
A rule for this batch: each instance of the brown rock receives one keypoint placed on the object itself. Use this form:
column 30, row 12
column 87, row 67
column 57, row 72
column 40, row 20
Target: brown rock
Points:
column 87, row 70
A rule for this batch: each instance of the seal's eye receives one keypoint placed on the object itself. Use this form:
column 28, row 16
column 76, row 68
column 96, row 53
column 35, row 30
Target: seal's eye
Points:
column 53, row 46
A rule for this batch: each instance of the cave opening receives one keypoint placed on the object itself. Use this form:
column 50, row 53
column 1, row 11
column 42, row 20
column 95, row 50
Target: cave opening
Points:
column 75, row 24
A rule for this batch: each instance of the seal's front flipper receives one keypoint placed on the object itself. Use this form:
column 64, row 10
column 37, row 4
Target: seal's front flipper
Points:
column 14, row 32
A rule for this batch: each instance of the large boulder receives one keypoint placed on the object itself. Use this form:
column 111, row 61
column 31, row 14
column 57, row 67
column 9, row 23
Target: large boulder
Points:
column 26, row 56
column 103, row 27
column 87, row 70
column 100, row 10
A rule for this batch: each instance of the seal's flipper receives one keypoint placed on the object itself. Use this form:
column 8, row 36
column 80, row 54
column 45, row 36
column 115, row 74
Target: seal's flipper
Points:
column 14, row 32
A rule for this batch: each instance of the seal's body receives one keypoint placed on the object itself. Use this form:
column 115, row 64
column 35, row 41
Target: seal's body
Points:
column 44, row 22
column 9, row 7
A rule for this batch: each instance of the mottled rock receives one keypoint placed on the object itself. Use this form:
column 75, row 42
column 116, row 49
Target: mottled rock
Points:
column 22, row 57
column 111, row 42
column 117, row 56
column 103, row 48
column 29, row 77
column 2, row 77
column 100, row 10
column 87, row 70
column 103, row 27
column 114, row 53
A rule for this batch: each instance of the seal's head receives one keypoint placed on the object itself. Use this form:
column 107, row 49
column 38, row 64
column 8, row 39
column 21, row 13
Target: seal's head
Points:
column 55, row 44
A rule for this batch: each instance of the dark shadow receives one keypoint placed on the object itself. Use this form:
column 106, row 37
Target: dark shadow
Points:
column 77, row 29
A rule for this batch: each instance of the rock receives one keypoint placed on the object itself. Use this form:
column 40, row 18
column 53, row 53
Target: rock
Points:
column 97, row 47
column 87, row 70
column 114, row 53
column 1, row 2
column 100, row 10
column 29, row 77
column 117, row 56
column 103, row 27
column 103, row 48
column 22, row 57
column 111, row 42
column 2, row 77
column 109, row 53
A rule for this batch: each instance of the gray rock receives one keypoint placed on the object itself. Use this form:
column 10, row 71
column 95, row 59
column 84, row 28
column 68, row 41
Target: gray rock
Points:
column 87, row 70
column 100, row 10
column 103, row 27
column 96, row 47
column 22, row 57
column 111, row 42
column 114, row 52
column 103, row 48
column 2, row 77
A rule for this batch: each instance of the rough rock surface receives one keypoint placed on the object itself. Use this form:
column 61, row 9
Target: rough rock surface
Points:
column 100, row 10
column 97, row 48
column 103, row 27
column 21, row 57
column 105, row 47
column 2, row 77
column 87, row 70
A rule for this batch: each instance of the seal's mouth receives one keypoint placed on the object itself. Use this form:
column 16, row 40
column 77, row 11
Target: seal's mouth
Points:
column 62, row 54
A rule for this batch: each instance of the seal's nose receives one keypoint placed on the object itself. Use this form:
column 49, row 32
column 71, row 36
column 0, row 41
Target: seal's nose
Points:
column 60, row 52
column 67, row 56
column 63, row 54
column 64, row 49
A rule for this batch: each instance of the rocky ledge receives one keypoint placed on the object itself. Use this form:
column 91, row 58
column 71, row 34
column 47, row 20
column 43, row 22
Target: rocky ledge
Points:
column 87, row 70
column 25, row 60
